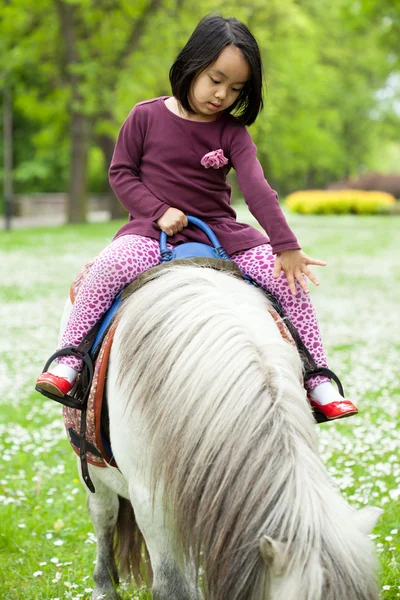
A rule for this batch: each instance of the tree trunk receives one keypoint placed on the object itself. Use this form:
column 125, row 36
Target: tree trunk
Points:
column 80, row 124
column 77, row 205
column 8, row 154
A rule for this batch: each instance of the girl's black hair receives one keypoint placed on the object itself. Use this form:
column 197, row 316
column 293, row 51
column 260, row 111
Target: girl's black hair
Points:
column 210, row 37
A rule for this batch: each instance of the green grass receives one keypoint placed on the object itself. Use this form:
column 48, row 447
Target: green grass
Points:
column 46, row 539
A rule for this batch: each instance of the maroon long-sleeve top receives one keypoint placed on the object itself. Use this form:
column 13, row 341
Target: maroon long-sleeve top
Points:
column 157, row 164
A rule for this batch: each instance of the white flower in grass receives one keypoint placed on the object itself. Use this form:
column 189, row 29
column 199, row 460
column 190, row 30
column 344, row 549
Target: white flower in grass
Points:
column 38, row 573
column 70, row 585
column 91, row 538
column 57, row 577
column 54, row 560
column 58, row 543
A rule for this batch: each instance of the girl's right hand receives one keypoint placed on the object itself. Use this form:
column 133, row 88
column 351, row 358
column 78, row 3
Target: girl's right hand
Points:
column 172, row 221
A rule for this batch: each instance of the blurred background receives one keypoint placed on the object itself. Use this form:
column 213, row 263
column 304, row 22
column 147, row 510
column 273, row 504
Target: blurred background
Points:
column 71, row 70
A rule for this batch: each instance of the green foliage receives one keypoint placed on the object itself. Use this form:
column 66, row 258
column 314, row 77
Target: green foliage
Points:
column 322, row 77
column 324, row 62
column 386, row 157
column 97, row 172
column 340, row 202
column 387, row 14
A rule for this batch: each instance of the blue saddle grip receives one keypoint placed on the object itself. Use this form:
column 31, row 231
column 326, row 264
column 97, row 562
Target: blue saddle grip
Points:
column 201, row 225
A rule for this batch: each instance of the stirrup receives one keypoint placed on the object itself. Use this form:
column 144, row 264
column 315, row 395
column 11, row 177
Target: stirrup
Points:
column 316, row 371
column 78, row 396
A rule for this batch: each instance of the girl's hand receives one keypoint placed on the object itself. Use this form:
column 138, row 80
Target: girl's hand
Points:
column 295, row 263
column 172, row 221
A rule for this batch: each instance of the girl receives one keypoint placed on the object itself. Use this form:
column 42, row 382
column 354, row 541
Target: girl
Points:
column 172, row 157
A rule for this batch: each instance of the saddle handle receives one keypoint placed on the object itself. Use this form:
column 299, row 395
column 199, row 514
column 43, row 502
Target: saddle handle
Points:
column 198, row 223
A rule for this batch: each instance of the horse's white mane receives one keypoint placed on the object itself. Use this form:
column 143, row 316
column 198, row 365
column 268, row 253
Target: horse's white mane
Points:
column 234, row 439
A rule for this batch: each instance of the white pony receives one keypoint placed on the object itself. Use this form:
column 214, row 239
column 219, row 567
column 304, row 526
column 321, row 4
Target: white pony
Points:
column 217, row 451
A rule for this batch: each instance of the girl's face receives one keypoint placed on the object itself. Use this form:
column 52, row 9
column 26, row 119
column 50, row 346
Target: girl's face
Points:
column 218, row 86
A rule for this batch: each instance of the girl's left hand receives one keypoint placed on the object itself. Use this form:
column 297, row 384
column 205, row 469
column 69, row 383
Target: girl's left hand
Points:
column 295, row 263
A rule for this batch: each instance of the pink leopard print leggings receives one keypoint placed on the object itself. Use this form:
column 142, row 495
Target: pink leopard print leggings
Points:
column 130, row 255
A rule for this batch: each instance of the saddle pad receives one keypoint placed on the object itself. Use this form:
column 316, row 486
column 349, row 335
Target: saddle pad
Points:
column 283, row 329
column 80, row 277
column 98, row 450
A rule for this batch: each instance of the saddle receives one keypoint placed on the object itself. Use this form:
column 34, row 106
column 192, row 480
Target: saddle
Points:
column 97, row 444
column 85, row 410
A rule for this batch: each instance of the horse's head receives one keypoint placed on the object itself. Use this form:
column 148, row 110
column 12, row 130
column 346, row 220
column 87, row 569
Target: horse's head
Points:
column 287, row 577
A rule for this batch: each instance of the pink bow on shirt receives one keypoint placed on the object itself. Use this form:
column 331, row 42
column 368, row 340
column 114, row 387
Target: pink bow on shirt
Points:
column 214, row 159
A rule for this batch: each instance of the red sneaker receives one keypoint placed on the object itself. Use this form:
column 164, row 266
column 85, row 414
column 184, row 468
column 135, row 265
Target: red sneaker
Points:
column 334, row 410
column 58, row 386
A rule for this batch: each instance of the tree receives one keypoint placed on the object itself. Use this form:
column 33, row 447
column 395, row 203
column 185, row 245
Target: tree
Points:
column 78, row 66
column 323, row 74
column 95, row 48
column 81, row 73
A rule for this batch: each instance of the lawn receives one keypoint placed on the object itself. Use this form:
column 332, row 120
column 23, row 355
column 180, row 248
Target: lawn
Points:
column 46, row 540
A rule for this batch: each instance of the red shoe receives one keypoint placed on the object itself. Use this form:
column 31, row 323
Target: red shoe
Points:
column 334, row 410
column 58, row 386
